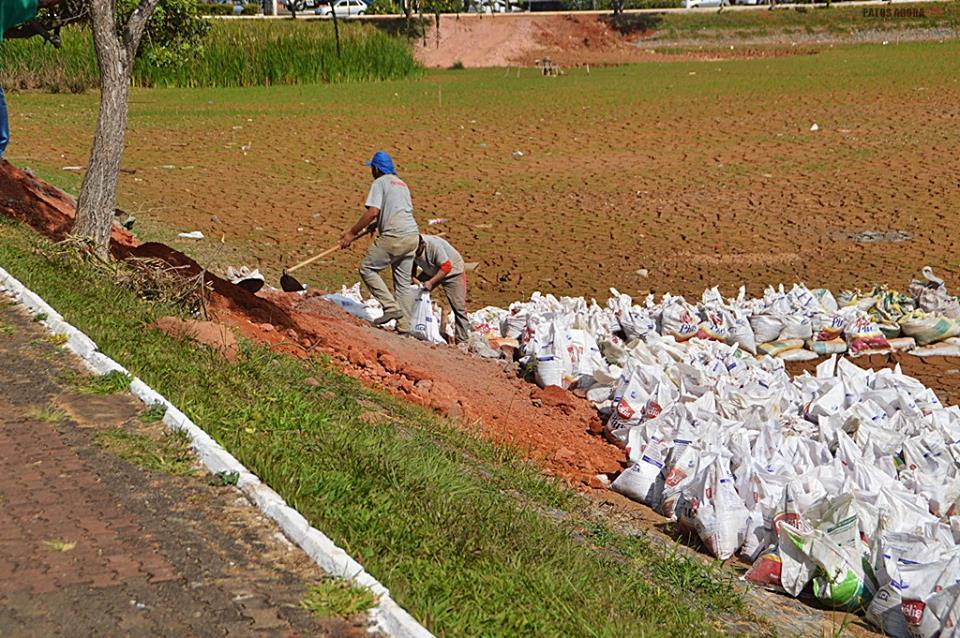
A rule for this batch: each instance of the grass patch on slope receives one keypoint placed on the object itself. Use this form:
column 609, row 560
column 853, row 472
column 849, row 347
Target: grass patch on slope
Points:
column 471, row 540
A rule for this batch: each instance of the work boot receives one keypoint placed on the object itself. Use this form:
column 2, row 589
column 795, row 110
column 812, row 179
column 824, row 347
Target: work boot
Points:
column 388, row 317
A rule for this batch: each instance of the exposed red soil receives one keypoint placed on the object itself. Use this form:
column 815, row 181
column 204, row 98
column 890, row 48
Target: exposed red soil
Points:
column 47, row 209
column 506, row 40
column 576, row 40
column 212, row 334
column 552, row 427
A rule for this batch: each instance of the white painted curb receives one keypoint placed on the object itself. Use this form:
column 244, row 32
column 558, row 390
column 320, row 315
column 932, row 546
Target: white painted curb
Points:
column 388, row 617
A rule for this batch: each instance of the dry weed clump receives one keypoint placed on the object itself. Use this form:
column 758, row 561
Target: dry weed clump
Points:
column 150, row 278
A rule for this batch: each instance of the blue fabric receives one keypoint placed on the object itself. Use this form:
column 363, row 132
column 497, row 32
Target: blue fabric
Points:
column 4, row 124
column 382, row 162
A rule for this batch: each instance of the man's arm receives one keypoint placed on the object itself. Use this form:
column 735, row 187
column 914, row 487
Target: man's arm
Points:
column 442, row 272
column 365, row 220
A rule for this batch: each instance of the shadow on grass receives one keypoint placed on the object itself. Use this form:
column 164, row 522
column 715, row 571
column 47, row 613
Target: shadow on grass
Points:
column 638, row 24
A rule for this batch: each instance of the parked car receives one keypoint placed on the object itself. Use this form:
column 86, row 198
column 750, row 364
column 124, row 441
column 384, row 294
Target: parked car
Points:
column 494, row 6
column 344, row 8
column 697, row 4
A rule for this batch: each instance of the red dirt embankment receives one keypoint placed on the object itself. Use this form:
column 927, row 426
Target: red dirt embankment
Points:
column 508, row 40
column 551, row 426
column 47, row 209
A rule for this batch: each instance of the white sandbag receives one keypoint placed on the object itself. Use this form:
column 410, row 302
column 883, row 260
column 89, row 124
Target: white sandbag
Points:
column 798, row 354
column 945, row 607
column 936, row 350
column 831, row 326
column 826, row 300
column 796, row 327
column 714, row 327
column 355, row 308
column 585, row 353
column 864, row 334
column 740, row 333
column 513, row 325
column 680, row 470
column 918, row 583
column 766, row 328
column 487, row 320
column 424, row 323
column 679, row 319
column 776, row 348
column 642, row 481
column 929, row 329
column 835, row 346
column 900, row 344
column 719, row 516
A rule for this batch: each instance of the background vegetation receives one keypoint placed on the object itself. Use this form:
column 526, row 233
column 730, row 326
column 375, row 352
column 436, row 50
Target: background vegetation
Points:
column 234, row 53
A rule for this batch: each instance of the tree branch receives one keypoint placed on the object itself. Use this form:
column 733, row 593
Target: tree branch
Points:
column 135, row 28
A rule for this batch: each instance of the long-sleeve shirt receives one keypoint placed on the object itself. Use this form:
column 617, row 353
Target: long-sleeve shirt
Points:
column 14, row 12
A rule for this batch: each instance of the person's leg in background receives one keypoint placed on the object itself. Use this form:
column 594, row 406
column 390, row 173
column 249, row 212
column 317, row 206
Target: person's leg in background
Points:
column 455, row 288
column 4, row 124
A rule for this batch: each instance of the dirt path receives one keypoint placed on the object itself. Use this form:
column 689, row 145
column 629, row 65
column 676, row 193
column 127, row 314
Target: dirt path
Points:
column 93, row 545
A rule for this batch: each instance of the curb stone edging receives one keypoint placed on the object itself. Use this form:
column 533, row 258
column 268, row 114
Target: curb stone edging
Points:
column 387, row 616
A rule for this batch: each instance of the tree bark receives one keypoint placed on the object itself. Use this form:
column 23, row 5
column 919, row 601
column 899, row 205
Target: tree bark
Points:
column 115, row 57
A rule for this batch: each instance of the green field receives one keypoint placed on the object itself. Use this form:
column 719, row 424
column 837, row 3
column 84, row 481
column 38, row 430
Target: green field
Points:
column 814, row 19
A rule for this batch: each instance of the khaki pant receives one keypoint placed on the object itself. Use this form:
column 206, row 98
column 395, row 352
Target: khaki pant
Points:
column 396, row 253
column 455, row 287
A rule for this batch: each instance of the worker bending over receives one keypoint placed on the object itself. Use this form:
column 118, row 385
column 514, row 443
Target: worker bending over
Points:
column 440, row 263
column 389, row 207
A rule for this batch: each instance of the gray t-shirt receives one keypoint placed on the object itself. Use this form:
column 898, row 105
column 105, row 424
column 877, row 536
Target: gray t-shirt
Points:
column 436, row 252
column 390, row 194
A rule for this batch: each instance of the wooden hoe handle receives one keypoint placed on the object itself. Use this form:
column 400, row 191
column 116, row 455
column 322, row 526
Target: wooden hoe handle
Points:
column 332, row 249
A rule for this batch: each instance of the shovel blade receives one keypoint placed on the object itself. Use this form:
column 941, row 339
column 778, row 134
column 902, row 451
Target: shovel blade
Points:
column 251, row 285
column 289, row 283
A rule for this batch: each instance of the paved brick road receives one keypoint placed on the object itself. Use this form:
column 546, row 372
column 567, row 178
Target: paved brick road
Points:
column 92, row 545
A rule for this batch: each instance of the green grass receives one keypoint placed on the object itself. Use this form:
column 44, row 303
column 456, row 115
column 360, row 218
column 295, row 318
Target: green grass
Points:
column 235, row 53
column 109, row 383
column 338, row 598
column 153, row 414
column 170, row 453
column 47, row 414
column 473, row 541
column 836, row 19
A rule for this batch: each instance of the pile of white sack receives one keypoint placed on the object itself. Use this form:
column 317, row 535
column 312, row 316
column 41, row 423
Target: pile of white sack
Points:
column 844, row 483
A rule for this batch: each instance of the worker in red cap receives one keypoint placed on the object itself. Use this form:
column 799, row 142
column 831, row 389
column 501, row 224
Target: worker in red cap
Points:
column 389, row 207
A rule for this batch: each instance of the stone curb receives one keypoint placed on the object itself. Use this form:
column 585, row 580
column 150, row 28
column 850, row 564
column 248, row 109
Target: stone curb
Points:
column 388, row 617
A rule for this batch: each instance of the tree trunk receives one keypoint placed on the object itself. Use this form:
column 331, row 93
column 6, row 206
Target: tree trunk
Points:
column 98, row 193
column 336, row 28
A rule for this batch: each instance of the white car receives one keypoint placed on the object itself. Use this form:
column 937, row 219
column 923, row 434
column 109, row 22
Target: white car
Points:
column 344, row 8
column 494, row 6
column 702, row 4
